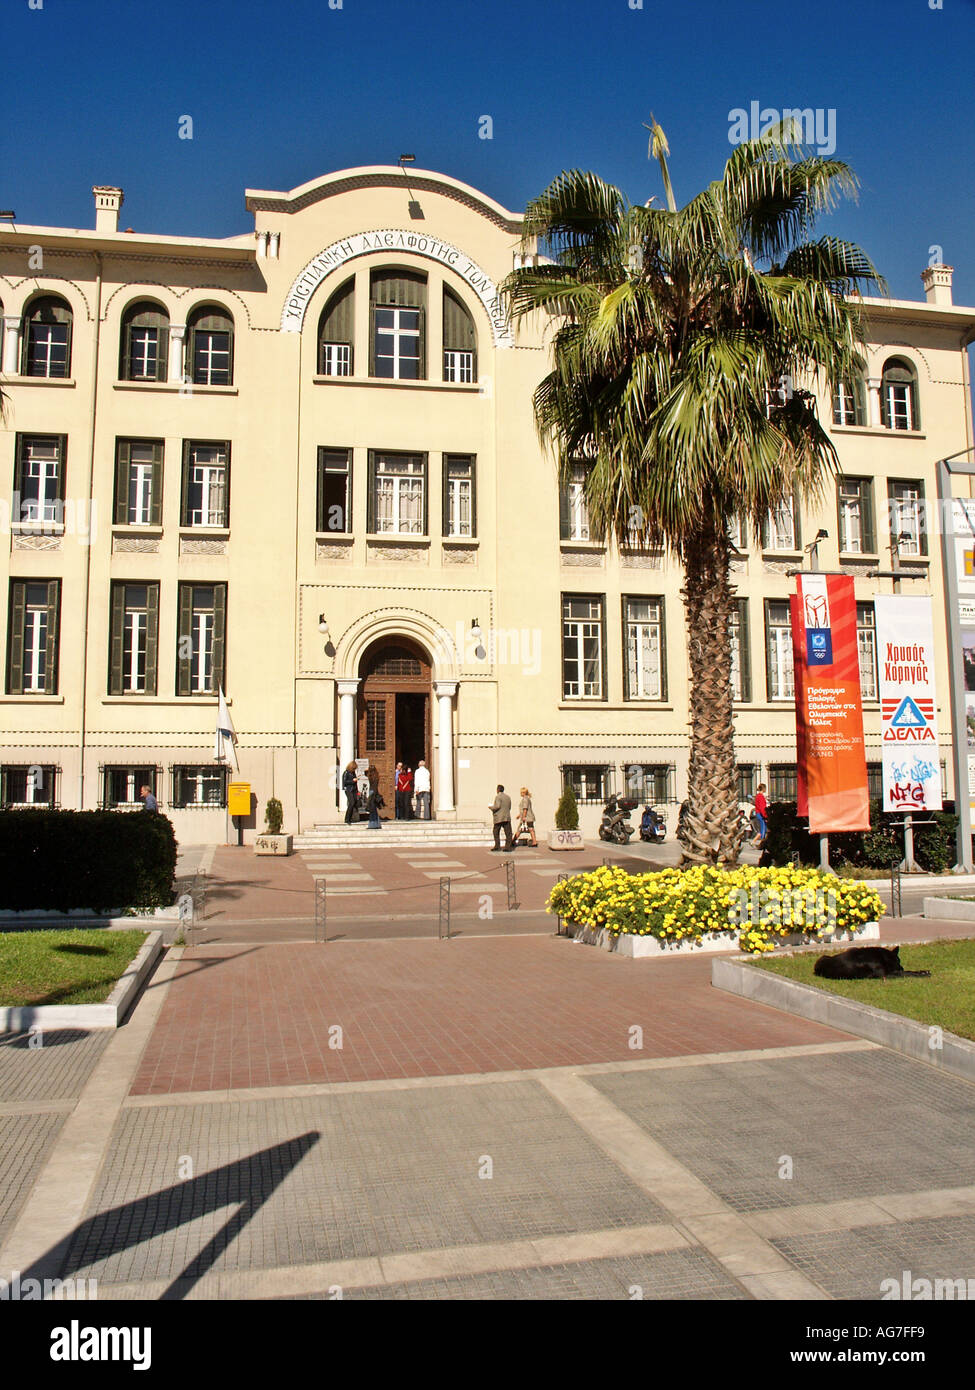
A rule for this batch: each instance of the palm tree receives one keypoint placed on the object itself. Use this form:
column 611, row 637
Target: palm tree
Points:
column 677, row 336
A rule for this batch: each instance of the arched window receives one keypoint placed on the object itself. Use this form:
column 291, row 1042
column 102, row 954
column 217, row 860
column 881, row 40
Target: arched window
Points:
column 459, row 340
column 145, row 343
column 898, row 395
column 849, row 406
column 211, row 346
column 398, row 309
column 47, row 338
column 336, row 332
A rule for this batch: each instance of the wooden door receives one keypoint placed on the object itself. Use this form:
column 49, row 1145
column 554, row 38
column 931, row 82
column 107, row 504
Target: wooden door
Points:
column 377, row 737
column 391, row 669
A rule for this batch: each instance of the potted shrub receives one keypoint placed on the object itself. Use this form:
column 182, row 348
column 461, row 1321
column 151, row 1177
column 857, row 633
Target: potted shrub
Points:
column 566, row 833
column 272, row 841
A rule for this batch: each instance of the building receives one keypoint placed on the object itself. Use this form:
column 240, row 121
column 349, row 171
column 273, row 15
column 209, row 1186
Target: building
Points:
column 301, row 464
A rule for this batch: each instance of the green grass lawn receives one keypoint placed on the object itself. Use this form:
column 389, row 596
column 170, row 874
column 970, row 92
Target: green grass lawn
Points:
column 946, row 999
column 64, row 967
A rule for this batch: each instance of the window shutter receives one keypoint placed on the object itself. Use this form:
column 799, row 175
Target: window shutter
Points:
column 155, row 504
column 226, row 485
column 123, row 451
column 184, row 505
column 402, row 288
column 473, row 496
column 62, row 464
column 769, row 656
column 371, row 494
column 422, row 368
column 320, row 517
column 866, row 509
column 445, row 499
column 15, row 658
column 218, row 660
column 162, row 352
column 426, row 493
column 21, row 448
column 152, row 637
column 565, row 517
column 53, row 632
column 797, row 533
column 458, row 327
column 744, row 651
column 116, row 631
column 184, row 640
column 339, row 317
column 663, row 648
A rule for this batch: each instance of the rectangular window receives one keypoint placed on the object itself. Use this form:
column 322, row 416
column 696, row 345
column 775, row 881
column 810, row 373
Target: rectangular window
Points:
column 573, row 512
column 591, row 782
column 854, row 505
column 138, row 482
column 458, row 365
column 206, row 484
column 781, row 528
column 875, row 781
column 746, row 781
column 643, row 620
column 741, row 669
column 848, row 404
column 29, row 785
column 39, row 478
column 200, row 786
column 211, row 357
column 335, row 359
column 458, row 495
column 201, row 644
column 651, row 783
column 397, row 343
column 782, row 782
column 32, row 643
column 582, row 647
column 398, row 494
column 778, row 642
column 145, row 352
column 867, row 650
column 738, row 532
column 333, row 507
column 134, row 639
column 46, row 350
column 122, row 786
column 908, row 522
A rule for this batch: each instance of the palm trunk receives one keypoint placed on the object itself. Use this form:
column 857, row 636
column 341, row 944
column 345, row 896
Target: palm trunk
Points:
column 712, row 832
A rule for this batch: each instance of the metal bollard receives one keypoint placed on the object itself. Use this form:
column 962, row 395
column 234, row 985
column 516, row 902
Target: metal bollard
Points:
column 896, row 905
column 321, row 918
column 199, row 890
column 444, row 909
column 509, row 874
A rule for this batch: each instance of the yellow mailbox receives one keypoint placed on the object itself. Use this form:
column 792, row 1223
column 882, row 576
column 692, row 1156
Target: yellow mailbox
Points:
column 239, row 798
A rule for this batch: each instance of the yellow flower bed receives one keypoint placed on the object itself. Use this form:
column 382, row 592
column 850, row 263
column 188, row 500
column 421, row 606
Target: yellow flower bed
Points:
column 761, row 905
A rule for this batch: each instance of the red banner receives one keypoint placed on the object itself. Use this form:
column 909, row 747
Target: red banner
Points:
column 830, row 757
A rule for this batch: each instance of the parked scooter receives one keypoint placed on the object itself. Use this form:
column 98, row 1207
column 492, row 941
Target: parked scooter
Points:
column 653, row 827
column 615, row 825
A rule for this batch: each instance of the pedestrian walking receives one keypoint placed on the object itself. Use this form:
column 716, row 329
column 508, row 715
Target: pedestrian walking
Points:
column 351, row 788
column 761, row 815
column 526, row 816
column 375, row 802
column 500, row 808
column 149, row 802
column 421, row 785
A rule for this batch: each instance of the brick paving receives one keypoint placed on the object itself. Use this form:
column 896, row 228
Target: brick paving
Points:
column 260, row 1015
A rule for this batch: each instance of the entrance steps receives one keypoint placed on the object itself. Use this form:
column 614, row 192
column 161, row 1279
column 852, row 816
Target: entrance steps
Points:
column 409, row 834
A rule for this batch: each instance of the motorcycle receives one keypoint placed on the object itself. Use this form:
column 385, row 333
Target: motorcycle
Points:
column 615, row 825
column 653, row 827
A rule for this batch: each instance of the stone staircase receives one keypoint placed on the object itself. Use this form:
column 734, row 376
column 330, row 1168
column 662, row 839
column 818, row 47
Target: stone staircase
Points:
column 411, row 834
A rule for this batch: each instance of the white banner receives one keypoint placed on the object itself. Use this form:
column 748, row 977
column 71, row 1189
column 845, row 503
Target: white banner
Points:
column 908, row 712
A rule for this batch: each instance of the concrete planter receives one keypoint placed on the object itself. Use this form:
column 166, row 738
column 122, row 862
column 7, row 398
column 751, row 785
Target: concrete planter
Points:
column 640, row 947
column 16, row 1018
column 273, row 844
column 949, row 909
column 82, row 917
column 566, row 839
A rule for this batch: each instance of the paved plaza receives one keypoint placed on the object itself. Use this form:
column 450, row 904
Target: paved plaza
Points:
column 498, row 1116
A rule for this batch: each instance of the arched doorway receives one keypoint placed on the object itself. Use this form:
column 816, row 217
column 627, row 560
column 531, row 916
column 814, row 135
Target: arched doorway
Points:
column 394, row 708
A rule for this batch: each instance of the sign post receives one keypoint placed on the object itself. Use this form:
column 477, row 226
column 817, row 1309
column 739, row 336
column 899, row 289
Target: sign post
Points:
column 958, row 536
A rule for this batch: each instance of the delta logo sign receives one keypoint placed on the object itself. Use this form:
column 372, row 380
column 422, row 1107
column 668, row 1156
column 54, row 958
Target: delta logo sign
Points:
column 819, row 639
column 908, row 720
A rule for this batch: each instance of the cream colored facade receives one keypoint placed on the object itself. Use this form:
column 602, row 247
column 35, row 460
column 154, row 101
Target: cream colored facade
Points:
column 483, row 711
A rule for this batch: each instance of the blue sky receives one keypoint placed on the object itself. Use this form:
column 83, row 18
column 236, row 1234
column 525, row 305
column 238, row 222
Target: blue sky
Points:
column 282, row 92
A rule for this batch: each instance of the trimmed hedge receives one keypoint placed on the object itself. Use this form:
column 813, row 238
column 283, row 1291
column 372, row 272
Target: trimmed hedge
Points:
column 934, row 845
column 90, row 860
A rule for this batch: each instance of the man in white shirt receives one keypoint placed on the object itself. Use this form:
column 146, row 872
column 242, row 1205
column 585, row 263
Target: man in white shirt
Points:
column 421, row 786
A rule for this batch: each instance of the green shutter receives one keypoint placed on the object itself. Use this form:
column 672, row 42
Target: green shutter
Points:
column 744, row 651
column 152, row 637
column 123, row 450
column 62, row 465
column 458, row 326
column 155, row 505
column 426, row 493
column 53, row 631
column 339, row 317
column 21, row 447
column 402, row 288
column 866, row 504
column 184, row 505
column 15, row 646
column 445, row 493
column 320, row 491
column 795, row 518
column 116, row 631
column 218, row 659
column 162, row 352
column 661, row 609
column 422, row 369
column 184, row 634
column 371, row 494
column 225, row 520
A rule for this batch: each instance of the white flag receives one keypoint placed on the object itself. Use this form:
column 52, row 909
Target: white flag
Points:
column 226, row 737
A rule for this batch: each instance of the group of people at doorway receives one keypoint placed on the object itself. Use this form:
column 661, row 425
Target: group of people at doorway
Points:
column 407, row 785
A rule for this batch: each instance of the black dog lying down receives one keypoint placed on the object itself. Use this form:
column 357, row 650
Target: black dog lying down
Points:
column 863, row 963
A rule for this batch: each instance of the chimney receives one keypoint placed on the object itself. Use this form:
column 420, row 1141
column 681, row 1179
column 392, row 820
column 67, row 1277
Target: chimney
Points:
column 108, row 201
column 936, row 280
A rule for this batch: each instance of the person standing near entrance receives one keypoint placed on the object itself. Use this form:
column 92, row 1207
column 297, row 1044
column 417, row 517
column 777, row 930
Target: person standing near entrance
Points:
column 421, row 785
column 350, row 787
column 501, row 810
column 400, row 785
